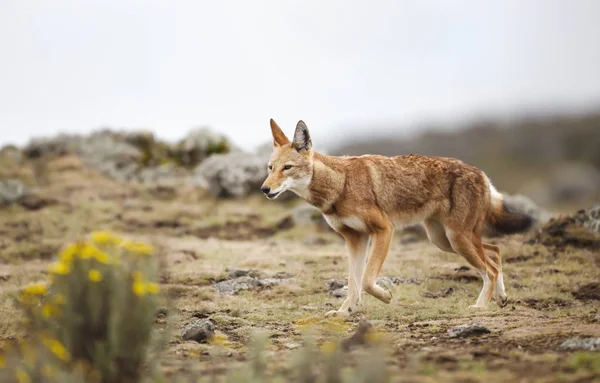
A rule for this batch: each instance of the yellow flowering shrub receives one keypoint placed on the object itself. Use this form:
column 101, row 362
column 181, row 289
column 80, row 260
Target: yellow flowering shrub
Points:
column 92, row 320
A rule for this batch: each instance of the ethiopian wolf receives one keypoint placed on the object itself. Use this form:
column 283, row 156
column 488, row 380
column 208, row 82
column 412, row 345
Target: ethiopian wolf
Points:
column 364, row 198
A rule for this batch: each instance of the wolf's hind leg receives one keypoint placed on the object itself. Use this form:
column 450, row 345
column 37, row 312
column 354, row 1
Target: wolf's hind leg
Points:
column 472, row 250
column 494, row 257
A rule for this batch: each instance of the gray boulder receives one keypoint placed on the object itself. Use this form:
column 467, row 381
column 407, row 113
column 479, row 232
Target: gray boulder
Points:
column 590, row 218
column 200, row 330
column 11, row 191
column 231, row 175
column 200, row 143
column 585, row 344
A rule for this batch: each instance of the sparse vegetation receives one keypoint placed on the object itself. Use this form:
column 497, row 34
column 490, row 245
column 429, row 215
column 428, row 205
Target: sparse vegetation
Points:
column 552, row 282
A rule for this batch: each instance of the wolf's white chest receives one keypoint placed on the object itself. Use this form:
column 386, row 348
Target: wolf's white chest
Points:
column 336, row 222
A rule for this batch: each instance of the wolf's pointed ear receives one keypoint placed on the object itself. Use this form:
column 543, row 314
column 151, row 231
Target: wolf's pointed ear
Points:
column 302, row 137
column 279, row 137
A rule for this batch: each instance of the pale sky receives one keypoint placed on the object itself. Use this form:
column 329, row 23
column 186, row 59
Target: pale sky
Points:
column 169, row 66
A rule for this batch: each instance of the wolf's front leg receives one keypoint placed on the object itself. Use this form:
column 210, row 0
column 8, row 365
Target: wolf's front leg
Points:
column 357, row 253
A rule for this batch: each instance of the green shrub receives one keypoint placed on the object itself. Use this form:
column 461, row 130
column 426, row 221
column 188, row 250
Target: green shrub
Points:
column 94, row 317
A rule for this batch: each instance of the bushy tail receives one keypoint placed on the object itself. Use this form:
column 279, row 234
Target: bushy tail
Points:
column 503, row 220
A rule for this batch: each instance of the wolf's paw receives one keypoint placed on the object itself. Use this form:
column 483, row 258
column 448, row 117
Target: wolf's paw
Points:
column 501, row 301
column 477, row 307
column 387, row 297
column 337, row 313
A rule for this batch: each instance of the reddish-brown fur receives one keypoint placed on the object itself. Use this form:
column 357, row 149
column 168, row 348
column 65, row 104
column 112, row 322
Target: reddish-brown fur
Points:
column 366, row 197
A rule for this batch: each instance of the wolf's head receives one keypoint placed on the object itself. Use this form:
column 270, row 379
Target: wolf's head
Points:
column 291, row 164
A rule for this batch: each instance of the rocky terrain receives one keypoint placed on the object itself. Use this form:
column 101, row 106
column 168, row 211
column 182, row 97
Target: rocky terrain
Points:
column 235, row 264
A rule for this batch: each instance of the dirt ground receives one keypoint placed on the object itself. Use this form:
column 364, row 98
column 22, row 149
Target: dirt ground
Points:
column 552, row 295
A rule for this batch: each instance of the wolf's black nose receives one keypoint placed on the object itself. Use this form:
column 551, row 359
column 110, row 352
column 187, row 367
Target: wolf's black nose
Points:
column 266, row 189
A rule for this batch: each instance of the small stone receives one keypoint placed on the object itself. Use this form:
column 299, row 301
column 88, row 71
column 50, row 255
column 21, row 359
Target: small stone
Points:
column 162, row 312
column 292, row 345
column 584, row 344
column 234, row 286
column 334, row 284
column 385, row 282
column 283, row 275
column 467, row 330
column 340, row 293
column 200, row 330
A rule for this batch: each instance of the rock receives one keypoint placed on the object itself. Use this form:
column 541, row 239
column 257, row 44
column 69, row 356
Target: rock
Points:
column 241, row 280
column 162, row 312
column 11, row 191
column 200, row 330
column 411, row 280
column 231, row 175
column 234, row 286
column 292, row 345
column 385, row 282
column 590, row 218
column 334, row 284
column 585, row 344
column 467, row 330
column 201, row 143
column 340, row 293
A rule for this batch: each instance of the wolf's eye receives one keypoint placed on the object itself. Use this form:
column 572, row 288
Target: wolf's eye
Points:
column 270, row 167
column 287, row 167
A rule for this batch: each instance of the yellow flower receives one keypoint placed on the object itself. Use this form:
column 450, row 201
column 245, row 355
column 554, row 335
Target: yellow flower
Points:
column 138, row 248
column 22, row 376
column 61, row 268
column 95, row 275
column 102, row 257
column 153, row 288
column 57, row 349
column 89, row 251
column 69, row 253
column 35, row 289
column 139, row 288
column 49, row 311
column 105, row 238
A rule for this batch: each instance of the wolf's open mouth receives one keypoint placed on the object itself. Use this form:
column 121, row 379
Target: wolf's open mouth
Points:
column 273, row 195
